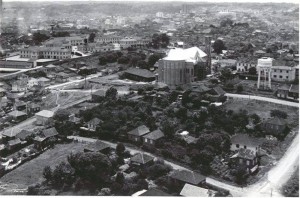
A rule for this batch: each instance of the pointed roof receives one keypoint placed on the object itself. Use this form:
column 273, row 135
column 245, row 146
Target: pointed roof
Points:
column 45, row 113
column 154, row 135
column 95, row 121
column 11, row 132
column 140, row 131
column 50, row 132
column 192, row 54
column 190, row 177
column 97, row 146
column 154, row 192
column 141, row 158
column 194, row 191
column 16, row 114
column 245, row 139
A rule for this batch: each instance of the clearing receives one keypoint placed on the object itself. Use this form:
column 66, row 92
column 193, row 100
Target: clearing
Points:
column 31, row 172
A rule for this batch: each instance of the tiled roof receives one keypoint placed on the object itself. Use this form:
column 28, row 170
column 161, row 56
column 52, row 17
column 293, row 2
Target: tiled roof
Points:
column 194, row 191
column 11, row 132
column 95, row 121
column 141, row 158
column 99, row 93
column 50, row 132
column 14, row 142
column 154, row 135
column 97, row 146
column 219, row 90
column 294, row 89
column 139, row 131
column 24, row 134
column 45, row 113
column 155, row 192
column 140, row 72
column 16, row 113
column 188, row 176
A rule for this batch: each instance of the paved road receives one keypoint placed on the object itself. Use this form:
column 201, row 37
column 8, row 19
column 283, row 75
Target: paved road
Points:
column 272, row 100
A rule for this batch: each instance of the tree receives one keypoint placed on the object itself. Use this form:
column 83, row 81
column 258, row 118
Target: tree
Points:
column 63, row 174
column 102, row 60
column 47, row 173
column 218, row 46
column 241, row 175
column 38, row 38
column 226, row 22
column 153, row 59
column 111, row 93
column 123, row 60
column 61, row 115
column 92, row 166
column 120, row 178
column 84, row 72
column 142, row 64
column 168, row 129
column 239, row 88
column 252, row 71
column 278, row 113
column 120, row 149
column 226, row 75
column 255, row 118
column 92, row 37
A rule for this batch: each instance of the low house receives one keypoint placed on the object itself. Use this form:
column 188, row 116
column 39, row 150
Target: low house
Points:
column 137, row 74
column 294, row 92
column 45, row 138
column 10, row 134
column 98, row 95
column 61, row 77
column 93, row 124
column 245, row 158
column 154, row 192
column 33, row 108
column 17, row 115
column 244, row 141
column 43, row 82
column 44, row 117
column 141, row 160
column 283, row 91
column 98, row 146
column 274, row 126
column 136, row 134
column 24, row 134
column 13, row 144
column 74, row 119
column 195, row 191
column 20, row 105
column 181, row 177
column 153, row 137
column 19, row 85
column 217, row 94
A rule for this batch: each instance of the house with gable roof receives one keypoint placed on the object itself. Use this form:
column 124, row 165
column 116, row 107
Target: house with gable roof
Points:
column 136, row 134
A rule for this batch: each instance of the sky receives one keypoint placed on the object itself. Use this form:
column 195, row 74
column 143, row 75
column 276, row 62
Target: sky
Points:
column 254, row 1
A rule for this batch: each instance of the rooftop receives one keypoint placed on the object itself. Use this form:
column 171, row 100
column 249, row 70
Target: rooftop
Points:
column 139, row 131
column 193, row 54
column 45, row 113
column 188, row 176
column 245, row 154
column 194, row 191
column 154, row 135
column 155, row 192
column 140, row 72
column 141, row 158
column 16, row 113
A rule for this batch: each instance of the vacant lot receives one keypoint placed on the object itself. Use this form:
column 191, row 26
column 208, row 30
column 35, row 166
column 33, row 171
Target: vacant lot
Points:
column 32, row 172
column 262, row 108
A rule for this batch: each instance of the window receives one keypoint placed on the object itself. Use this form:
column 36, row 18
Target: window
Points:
column 287, row 77
column 280, row 71
column 237, row 146
column 146, row 139
column 280, row 76
column 275, row 76
column 274, row 70
column 241, row 161
column 287, row 72
column 245, row 147
column 248, row 162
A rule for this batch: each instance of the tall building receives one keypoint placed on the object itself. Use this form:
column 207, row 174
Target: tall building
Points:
column 264, row 66
column 185, row 9
column 179, row 68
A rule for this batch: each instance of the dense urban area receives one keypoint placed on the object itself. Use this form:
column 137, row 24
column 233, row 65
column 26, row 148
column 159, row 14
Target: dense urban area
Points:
column 149, row 99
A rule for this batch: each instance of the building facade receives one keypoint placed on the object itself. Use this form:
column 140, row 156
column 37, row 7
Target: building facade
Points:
column 178, row 68
column 46, row 53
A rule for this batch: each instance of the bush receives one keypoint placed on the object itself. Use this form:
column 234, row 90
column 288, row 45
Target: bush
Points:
column 279, row 114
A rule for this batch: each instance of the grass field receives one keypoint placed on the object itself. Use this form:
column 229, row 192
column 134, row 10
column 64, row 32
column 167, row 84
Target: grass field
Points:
column 32, row 172
column 262, row 109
